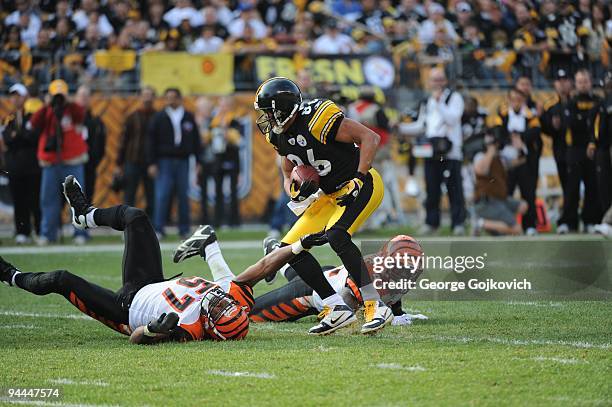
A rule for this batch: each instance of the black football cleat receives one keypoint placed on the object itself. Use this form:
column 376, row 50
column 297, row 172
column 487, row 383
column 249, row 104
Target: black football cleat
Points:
column 73, row 192
column 269, row 245
column 195, row 244
column 7, row 271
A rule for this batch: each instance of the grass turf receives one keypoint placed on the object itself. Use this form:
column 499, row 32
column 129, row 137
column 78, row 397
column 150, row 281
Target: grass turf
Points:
column 468, row 353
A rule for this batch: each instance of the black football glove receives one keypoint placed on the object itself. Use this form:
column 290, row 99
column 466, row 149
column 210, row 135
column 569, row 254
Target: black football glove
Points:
column 352, row 188
column 314, row 239
column 301, row 192
column 164, row 325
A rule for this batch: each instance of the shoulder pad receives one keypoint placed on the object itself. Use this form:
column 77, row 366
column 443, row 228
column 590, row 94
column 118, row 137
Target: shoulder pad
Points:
column 322, row 120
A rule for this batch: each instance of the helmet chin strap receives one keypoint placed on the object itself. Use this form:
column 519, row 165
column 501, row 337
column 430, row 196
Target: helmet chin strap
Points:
column 278, row 127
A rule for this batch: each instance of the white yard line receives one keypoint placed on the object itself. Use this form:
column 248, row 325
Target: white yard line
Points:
column 79, row 383
column 241, row 374
column 536, row 303
column 397, row 366
column 115, row 247
column 559, row 360
column 39, row 315
column 19, row 326
column 256, row 244
column 518, row 342
column 10, row 400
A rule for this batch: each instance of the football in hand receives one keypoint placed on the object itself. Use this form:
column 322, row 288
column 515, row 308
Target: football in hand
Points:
column 301, row 173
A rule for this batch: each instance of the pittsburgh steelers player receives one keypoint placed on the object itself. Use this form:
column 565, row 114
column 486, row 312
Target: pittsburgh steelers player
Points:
column 147, row 307
column 316, row 133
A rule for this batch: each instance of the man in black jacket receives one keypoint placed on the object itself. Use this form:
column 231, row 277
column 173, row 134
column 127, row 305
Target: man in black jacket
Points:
column 554, row 125
column 599, row 147
column 22, row 165
column 173, row 138
column 94, row 133
column 131, row 158
column 580, row 115
column 516, row 120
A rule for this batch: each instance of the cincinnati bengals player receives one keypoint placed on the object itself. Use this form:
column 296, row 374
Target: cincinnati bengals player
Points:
column 316, row 133
column 296, row 300
column 147, row 307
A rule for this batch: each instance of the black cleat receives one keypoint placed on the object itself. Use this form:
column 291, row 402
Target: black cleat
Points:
column 195, row 244
column 269, row 245
column 7, row 271
column 73, row 192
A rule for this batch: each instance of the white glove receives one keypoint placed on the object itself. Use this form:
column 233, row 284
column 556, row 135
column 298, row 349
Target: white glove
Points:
column 406, row 319
column 299, row 208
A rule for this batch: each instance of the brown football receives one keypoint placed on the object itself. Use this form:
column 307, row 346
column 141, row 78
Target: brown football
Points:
column 301, row 173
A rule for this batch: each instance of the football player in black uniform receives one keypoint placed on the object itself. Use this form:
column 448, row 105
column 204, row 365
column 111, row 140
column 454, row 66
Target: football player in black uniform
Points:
column 316, row 133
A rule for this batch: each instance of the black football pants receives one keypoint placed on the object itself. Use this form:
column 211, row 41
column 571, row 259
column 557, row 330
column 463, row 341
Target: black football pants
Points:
column 581, row 169
column 141, row 266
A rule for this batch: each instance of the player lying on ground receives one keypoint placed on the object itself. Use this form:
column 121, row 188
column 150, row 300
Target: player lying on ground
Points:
column 148, row 307
column 296, row 299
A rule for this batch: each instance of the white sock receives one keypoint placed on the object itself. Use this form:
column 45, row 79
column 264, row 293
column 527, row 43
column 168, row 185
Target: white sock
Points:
column 89, row 219
column 13, row 279
column 369, row 293
column 283, row 269
column 333, row 300
column 218, row 267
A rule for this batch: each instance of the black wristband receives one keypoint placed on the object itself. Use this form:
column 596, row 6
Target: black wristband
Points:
column 360, row 175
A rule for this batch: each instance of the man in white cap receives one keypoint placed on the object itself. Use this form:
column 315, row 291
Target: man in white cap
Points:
column 22, row 166
column 434, row 23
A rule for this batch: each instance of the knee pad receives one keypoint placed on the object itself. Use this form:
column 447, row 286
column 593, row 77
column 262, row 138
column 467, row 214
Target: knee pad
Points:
column 57, row 278
column 45, row 283
column 132, row 214
column 338, row 239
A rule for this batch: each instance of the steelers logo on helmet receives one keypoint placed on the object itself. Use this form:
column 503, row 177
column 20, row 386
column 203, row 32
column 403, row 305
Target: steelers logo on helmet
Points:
column 223, row 318
column 278, row 99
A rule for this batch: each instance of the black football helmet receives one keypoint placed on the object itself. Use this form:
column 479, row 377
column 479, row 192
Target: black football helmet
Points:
column 278, row 99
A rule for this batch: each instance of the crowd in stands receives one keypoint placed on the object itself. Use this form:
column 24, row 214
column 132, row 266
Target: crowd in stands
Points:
column 482, row 157
column 43, row 40
column 520, row 43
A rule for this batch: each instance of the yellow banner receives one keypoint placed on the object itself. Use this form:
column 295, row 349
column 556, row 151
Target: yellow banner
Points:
column 116, row 60
column 210, row 74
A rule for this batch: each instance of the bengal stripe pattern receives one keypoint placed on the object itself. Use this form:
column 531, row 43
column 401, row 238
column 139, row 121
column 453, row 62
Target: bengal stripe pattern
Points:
column 354, row 289
column 243, row 294
column 77, row 302
column 233, row 326
column 284, row 311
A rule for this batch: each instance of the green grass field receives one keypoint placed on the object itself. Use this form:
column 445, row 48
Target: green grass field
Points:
column 467, row 353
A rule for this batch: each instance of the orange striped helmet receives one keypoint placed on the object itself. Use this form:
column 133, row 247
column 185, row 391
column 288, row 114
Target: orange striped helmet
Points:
column 223, row 318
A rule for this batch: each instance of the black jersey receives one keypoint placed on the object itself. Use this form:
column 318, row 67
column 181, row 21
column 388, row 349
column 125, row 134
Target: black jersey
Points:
column 311, row 140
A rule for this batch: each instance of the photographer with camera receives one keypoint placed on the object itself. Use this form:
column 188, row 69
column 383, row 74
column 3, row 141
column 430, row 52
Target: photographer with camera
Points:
column 61, row 152
column 440, row 120
column 517, row 125
column 495, row 210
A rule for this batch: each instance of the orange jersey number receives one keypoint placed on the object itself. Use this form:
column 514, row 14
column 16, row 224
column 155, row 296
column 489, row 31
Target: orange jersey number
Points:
column 181, row 304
